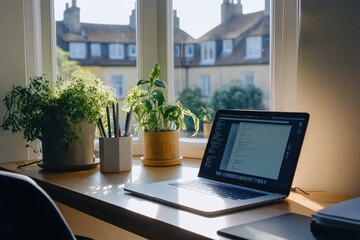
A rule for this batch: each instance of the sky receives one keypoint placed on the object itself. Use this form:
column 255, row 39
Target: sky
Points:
column 196, row 16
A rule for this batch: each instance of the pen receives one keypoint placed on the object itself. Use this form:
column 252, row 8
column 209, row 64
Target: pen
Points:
column 127, row 122
column 114, row 119
column 108, row 119
column 101, row 128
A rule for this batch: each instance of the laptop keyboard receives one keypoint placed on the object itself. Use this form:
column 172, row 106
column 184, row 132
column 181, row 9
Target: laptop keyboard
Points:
column 221, row 191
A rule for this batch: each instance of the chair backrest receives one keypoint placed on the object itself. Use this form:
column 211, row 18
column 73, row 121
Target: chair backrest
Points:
column 27, row 211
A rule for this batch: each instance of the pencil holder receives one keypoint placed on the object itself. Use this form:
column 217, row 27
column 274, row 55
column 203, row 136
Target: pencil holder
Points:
column 115, row 154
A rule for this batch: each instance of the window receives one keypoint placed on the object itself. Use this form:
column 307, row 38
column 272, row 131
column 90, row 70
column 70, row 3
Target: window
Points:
column 189, row 51
column 132, row 50
column 95, row 49
column 227, row 46
column 253, row 47
column 226, row 40
column 204, row 85
column 248, row 78
column 177, row 51
column 77, row 50
column 187, row 76
column 116, row 51
column 208, row 52
column 117, row 82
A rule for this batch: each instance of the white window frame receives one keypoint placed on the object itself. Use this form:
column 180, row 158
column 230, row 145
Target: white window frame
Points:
column 77, row 50
column 284, row 45
column 208, row 53
column 95, row 49
column 117, row 81
column 253, row 47
column 227, row 46
column 116, row 51
column 204, row 83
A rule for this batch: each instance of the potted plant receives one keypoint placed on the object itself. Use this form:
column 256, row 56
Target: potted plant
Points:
column 207, row 117
column 159, row 120
column 61, row 115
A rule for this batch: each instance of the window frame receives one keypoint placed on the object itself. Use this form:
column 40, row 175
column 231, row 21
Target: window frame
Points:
column 77, row 50
column 155, row 19
column 95, row 50
column 116, row 51
column 112, row 79
column 204, row 83
column 227, row 46
column 253, row 47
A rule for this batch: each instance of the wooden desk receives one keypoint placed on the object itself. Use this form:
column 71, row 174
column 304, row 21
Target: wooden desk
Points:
column 102, row 196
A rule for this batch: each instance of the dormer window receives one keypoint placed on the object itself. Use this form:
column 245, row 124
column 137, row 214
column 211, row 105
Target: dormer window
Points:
column 208, row 55
column 189, row 51
column 227, row 46
column 177, row 51
column 253, row 47
column 95, row 49
column 77, row 50
column 132, row 50
column 116, row 51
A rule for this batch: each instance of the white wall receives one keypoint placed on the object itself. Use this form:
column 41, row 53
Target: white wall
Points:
column 12, row 71
column 328, row 88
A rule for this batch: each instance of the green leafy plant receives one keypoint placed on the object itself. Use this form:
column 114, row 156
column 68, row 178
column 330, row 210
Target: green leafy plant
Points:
column 152, row 112
column 42, row 108
column 207, row 114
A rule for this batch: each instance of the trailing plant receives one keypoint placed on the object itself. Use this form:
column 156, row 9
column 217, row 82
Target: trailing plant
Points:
column 152, row 112
column 42, row 107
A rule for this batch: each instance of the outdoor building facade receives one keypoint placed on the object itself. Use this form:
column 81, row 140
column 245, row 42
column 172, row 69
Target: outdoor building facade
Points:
column 237, row 50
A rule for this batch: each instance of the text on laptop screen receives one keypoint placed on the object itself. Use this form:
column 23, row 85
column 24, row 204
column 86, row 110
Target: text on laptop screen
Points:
column 254, row 148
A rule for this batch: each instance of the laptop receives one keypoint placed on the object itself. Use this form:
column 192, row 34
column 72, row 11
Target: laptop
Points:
column 250, row 159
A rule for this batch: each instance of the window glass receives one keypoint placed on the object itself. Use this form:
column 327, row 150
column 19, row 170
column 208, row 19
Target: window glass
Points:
column 117, row 82
column 132, row 50
column 116, row 51
column 253, row 47
column 77, row 50
column 230, row 62
column 247, row 78
column 101, row 37
column 95, row 49
column 204, row 85
column 227, row 46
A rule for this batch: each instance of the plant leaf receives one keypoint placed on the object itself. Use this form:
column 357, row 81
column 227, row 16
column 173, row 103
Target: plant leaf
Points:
column 160, row 83
column 141, row 82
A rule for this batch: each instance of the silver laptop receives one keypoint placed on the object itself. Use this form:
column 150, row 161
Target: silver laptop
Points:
column 250, row 159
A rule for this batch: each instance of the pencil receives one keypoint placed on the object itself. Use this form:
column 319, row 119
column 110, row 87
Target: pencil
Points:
column 108, row 119
column 114, row 119
column 101, row 127
column 127, row 122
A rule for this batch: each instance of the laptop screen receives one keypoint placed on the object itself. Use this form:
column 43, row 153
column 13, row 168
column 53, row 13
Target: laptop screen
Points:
column 254, row 148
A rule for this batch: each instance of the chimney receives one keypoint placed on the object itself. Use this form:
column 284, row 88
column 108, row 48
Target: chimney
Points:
column 66, row 5
column 267, row 8
column 132, row 19
column 229, row 8
column 72, row 18
column 176, row 20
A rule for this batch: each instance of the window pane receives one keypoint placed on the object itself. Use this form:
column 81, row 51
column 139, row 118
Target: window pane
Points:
column 100, row 36
column 224, row 56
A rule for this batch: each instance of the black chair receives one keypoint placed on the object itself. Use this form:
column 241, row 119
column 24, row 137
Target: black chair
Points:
column 27, row 211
